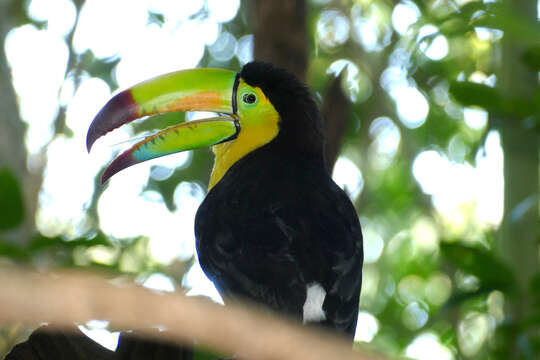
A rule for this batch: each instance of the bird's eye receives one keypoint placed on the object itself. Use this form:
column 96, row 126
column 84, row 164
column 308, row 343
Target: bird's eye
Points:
column 249, row 98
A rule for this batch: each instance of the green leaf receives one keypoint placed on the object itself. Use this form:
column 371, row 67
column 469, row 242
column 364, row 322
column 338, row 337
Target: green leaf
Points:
column 535, row 283
column 40, row 242
column 100, row 68
column 534, row 287
column 505, row 18
column 156, row 18
column 480, row 263
column 531, row 57
column 470, row 8
column 473, row 94
column 203, row 354
column 11, row 200
column 12, row 251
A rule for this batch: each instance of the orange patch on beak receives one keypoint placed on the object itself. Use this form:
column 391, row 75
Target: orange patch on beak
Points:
column 200, row 100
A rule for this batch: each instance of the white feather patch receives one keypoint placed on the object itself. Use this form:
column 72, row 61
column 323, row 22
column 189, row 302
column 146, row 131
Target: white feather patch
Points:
column 313, row 311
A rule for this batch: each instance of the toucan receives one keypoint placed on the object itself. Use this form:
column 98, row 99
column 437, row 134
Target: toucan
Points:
column 273, row 228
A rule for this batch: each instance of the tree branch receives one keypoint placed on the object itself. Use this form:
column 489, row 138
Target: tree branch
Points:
column 280, row 34
column 281, row 37
column 12, row 132
column 239, row 329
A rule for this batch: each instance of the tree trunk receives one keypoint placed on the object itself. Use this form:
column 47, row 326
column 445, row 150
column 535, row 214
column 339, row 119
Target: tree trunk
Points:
column 12, row 130
column 519, row 231
column 281, row 37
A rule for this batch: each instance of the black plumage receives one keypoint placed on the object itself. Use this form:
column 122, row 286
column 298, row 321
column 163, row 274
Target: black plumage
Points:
column 276, row 222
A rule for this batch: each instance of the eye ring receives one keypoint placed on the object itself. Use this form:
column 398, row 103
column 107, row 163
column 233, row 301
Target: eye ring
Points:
column 249, row 98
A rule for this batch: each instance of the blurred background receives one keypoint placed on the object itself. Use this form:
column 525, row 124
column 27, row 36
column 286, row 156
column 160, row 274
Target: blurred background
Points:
column 433, row 126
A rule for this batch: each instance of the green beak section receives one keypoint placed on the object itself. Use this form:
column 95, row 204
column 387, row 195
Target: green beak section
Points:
column 182, row 137
column 188, row 90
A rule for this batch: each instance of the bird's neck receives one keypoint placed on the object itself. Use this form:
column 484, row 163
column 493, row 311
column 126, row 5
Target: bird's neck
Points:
column 268, row 163
column 252, row 137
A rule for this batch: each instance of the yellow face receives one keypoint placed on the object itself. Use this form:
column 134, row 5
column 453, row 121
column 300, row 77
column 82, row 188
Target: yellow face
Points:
column 259, row 124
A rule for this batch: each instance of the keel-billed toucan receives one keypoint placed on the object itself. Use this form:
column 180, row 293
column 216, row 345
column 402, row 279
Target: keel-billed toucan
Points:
column 274, row 227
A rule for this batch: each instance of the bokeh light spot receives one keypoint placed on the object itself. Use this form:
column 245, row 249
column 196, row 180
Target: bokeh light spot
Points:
column 223, row 10
column 332, row 28
column 473, row 332
column 347, row 175
column 224, row 48
column 415, row 315
column 60, row 15
column 475, row 118
column 411, row 288
column 427, row 346
column 244, row 49
column 159, row 282
column 404, row 15
column 412, row 106
column 355, row 82
column 373, row 243
column 367, row 327
column 434, row 46
column 101, row 335
column 386, row 138
column 438, row 288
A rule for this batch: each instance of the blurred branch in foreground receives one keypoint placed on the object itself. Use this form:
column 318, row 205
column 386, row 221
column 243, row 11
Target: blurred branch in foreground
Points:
column 64, row 298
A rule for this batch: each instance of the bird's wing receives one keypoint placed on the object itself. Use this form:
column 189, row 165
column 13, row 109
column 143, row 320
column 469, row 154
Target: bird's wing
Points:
column 326, row 242
column 251, row 258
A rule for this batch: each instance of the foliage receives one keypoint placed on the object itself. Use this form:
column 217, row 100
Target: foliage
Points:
column 11, row 198
column 429, row 273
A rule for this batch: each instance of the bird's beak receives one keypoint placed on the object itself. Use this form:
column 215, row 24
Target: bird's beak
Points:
column 188, row 90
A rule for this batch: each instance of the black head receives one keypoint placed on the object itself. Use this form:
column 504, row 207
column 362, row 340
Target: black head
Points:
column 300, row 120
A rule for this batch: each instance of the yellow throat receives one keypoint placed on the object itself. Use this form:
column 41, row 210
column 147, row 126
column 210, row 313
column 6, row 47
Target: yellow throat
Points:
column 259, row 124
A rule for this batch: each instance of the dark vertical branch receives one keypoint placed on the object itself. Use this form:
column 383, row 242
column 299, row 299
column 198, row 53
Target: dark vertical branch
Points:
column 74, row 67
column 281, row 35
column 280, row 30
